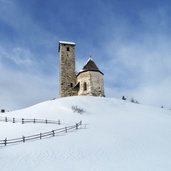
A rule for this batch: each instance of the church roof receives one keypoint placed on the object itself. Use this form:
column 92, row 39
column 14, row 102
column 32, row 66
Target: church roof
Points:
column 90, row 66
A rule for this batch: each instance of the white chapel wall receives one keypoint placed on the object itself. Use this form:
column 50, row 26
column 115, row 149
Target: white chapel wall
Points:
column 94, row 81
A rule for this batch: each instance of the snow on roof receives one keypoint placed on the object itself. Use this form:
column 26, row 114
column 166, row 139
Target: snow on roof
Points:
column 68, row 43
column 89, row 59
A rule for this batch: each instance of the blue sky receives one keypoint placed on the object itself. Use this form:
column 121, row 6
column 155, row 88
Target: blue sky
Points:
column 129, row 40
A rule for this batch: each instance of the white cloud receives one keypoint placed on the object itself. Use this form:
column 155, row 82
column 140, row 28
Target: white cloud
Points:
column 20, row 56
column 25, row 87
column 19, row 89
column 139, row 66
column 155, row 94
column 17, row 55
column 148, row 64
column 25, row 28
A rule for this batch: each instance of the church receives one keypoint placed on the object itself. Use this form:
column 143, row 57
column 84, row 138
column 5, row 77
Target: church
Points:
column 87, row 82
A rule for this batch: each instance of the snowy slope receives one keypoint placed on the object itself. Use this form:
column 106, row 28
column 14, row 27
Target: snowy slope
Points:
column 119, row 136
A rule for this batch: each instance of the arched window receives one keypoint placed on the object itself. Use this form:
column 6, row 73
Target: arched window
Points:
column 85, row 86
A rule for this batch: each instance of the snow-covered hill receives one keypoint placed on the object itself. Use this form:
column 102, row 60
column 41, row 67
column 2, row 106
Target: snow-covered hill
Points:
column 119, row 136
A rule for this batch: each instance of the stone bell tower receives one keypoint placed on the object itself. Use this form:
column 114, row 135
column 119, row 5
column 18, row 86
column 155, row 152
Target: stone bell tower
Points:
column 67, row 69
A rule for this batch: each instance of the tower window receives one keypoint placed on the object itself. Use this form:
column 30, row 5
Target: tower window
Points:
column 71, row 84
column 85, row 86
column 68, row 49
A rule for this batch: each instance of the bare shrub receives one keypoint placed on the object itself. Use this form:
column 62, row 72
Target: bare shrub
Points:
column 77, row 110
column 134, row 101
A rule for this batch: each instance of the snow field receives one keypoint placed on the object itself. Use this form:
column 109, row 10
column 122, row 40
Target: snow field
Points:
column 119, row 136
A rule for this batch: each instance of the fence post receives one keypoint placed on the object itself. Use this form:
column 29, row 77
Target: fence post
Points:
column 6, row 120
column 46, row 121
column 34, row 120
column 66, row 129
column 5, row 141
column 53, row 133
column 23, row 139
column 59, row 122
column 13, row 120
column 76, row 126
column 22, row 120
column 80, row 122
column 40, row 135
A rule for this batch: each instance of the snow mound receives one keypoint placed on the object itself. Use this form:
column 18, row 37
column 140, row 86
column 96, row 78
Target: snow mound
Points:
column 119, row 136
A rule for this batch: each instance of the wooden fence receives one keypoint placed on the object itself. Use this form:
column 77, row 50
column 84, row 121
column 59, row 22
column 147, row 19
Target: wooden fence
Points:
column 24, row 121
column 39, row 136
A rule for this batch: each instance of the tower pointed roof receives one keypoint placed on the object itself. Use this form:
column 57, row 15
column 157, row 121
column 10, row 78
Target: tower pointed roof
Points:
column 90, row 66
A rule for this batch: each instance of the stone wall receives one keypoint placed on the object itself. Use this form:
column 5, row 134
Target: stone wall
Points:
column 67, row 70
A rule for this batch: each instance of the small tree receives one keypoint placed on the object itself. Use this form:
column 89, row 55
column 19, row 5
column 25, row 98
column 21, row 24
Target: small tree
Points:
column 132, row 100
column 137, row 102
column 123, row 98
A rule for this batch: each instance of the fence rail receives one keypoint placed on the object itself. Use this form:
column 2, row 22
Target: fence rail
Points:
column 23, row 120
column 51, row 133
